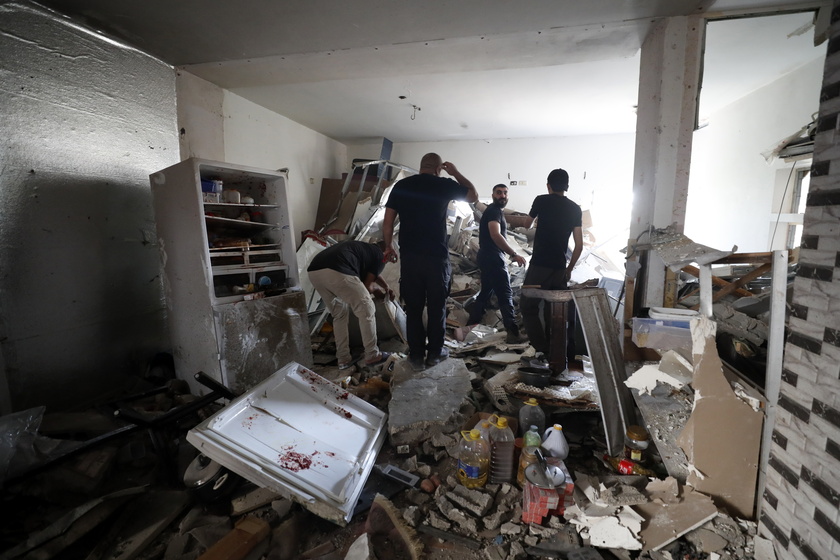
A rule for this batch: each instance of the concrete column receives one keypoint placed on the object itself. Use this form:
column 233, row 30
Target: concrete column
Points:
column 668, row 85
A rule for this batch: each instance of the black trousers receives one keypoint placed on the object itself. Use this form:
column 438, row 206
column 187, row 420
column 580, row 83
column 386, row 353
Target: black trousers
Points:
column 424, row 284
column 494, row 280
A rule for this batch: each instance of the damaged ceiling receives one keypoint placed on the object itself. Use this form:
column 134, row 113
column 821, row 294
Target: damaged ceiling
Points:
column 439, row 70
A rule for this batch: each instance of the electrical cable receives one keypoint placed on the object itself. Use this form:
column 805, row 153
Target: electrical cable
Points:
column 779, row 213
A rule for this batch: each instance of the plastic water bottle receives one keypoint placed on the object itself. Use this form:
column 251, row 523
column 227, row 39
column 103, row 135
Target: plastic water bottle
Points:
column 554, row 442
column 473, row 460
column 531, row 438
column 501, row 452
column 531, row 415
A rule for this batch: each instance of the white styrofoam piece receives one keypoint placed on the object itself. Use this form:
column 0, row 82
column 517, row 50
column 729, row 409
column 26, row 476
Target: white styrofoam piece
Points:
column 299, row 435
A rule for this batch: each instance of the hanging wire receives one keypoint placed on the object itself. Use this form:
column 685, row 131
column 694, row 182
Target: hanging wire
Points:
column 414, row 114
column 781, row 203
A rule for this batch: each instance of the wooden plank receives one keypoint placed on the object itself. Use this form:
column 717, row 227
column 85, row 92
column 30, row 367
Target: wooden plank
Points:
column 694, row 271
column 736, row 285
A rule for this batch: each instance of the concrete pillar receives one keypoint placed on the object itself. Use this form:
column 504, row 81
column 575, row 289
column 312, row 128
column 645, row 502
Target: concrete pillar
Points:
column 668, row 85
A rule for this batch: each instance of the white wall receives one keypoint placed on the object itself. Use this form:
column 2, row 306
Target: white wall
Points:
column 85, row 123
column 257, row 137
column 600, row 173
column 731, row 185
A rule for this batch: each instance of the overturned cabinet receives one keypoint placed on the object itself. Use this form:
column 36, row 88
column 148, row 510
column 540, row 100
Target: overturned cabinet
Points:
column 235, row 310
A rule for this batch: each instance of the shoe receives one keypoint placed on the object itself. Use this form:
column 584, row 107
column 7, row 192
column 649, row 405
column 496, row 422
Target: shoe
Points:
column 383, row 356
column 437, row 357
column 515, row 338
column 416, row 363
column 346, row 365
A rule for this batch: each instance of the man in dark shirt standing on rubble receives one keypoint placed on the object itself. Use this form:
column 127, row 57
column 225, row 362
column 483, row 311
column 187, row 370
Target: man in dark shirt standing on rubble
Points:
column 421, row 202
column 558, row 219
column 493, row 247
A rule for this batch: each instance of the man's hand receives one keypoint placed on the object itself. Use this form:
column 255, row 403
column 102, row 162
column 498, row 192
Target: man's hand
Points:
column 518, row 259
column 391, row 294
column 450, row 168
column 389, row 255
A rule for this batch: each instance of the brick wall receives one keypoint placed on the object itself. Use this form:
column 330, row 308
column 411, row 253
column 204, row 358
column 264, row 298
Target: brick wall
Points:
column 801, row 503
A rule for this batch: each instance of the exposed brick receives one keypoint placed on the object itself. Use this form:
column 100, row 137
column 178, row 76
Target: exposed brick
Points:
column 788, row 474
column 806, row 342
column 823, row 489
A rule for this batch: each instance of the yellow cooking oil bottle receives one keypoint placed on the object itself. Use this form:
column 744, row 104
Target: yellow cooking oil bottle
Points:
column 473, row 459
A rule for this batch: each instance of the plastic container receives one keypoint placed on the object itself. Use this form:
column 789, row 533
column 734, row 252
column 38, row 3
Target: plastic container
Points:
column 661, row 334
column 554, row 442
column 531, row 415
column 531, row 438
column 528, row 457
column 484, row 426
column 501, row 452
column 473, row 460
column 636, row 442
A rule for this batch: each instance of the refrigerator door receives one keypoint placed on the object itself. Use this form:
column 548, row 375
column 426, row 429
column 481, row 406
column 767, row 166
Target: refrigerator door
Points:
column 301, row 436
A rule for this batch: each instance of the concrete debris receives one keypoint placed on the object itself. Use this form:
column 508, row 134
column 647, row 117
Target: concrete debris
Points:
column 476, row 502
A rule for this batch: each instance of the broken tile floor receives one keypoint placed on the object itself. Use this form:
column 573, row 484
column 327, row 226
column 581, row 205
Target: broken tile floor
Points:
column 127, row 499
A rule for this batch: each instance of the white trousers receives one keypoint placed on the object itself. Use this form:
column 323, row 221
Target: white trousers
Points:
column 343, row 293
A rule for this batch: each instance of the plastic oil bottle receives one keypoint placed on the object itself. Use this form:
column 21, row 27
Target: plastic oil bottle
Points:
column 554, row 442
column 473, row 460
column 501, row 452
column 531, row 415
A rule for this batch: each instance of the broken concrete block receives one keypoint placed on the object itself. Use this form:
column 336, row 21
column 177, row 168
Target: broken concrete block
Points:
column 252, row 498
column 531, row 540
column 705, row 540
column 282, row 507
column 474, row 501
column 417, row 497
column 361, row 549
column 496, row 552
column 466, row 522
column 442, row 440
column 494, row 520
column 517, row 551
column 423, row 470
column 438, row 522
column 410, row 464
column 540, row 531
column 511, row 528
column 412, row 515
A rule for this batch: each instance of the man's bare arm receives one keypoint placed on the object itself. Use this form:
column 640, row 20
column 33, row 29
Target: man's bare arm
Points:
column 390, row 255
column 495, row 229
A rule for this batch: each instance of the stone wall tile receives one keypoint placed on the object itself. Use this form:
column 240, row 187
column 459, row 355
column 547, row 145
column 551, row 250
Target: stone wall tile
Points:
column 805, row 328
column 818, row 257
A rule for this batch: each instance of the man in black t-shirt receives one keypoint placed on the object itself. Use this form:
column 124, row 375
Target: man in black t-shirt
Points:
column 421, row 202
column 558, row 219
column 491, row 260
column 345, row 275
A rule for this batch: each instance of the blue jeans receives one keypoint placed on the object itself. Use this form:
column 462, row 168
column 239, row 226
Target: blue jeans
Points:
column 424, row 284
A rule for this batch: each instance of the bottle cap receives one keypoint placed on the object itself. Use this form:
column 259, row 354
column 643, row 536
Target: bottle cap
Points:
column 531, row 402
column 637, row 432
column 502, row 422
column 534, row 428
column 558, row 427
